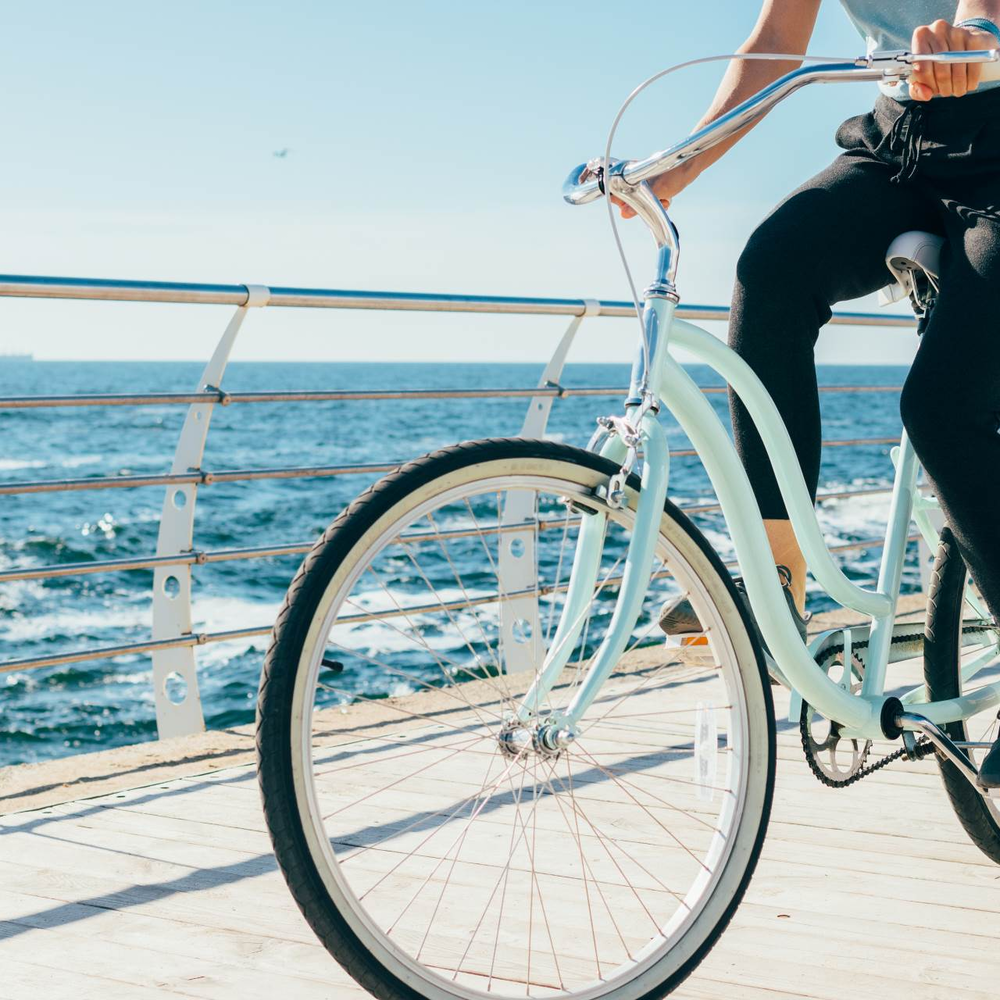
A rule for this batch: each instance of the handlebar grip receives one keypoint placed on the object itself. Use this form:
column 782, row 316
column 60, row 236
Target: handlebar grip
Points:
column 991, row 72
column 987, row 59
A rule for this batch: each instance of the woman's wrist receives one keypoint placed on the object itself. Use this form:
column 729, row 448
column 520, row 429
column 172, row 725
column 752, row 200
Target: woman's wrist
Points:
column 980, row 24
column 674, row 181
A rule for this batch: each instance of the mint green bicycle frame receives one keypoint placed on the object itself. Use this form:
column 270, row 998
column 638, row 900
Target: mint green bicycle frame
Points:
column 860, row 713
column 659, row 379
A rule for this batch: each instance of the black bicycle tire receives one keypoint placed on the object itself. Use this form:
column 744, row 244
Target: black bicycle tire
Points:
column 942, row 669
column 274, row 738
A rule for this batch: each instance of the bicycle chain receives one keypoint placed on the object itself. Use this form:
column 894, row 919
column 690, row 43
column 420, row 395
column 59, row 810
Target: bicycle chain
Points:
column 923, row 748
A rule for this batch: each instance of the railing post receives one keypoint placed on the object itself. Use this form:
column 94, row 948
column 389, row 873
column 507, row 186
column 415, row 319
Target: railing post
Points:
column 521, row 641
column 925, row 554
column 537, row 417
column 175, row 678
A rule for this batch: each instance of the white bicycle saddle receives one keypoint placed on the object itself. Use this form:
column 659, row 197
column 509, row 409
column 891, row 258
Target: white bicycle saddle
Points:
column 908, row 255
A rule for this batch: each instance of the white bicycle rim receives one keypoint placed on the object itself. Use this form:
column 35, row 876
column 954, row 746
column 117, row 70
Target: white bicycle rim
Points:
column 678, row 933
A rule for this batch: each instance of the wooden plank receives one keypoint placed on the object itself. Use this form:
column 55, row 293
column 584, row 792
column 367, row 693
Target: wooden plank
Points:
column 149, row 927
column 24, row 979
column 210, row 978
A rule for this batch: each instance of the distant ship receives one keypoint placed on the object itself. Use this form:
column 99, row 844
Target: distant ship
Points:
column 16, row 357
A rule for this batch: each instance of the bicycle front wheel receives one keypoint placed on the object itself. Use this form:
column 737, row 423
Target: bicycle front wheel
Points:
column 434, row 855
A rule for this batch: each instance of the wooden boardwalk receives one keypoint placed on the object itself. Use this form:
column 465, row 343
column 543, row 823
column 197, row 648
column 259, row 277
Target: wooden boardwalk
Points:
column 170, row 890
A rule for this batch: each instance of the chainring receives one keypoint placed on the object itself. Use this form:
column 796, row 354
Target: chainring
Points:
column 821, row 754
column 834, row 760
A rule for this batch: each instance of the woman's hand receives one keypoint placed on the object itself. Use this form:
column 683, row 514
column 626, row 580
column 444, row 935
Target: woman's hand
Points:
column 666, row 187
column 954, row 80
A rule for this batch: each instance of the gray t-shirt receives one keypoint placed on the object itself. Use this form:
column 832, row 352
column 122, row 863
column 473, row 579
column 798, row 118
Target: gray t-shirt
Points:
column 889, row 24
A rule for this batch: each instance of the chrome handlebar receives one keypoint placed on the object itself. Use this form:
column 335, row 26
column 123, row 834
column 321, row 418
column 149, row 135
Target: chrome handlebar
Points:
column 586, row 182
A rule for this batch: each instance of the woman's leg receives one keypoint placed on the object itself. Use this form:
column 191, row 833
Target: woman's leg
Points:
column 822, row 245
column 951, row 400
column 786, row 552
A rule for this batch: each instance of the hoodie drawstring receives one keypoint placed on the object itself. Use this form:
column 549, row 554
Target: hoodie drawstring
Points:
column 904, row 137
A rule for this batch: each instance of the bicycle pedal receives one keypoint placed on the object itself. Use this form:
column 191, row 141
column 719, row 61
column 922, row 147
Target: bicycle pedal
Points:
column 944, row 746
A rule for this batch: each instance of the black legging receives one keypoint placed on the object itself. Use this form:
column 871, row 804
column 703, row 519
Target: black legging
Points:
column 934, row 167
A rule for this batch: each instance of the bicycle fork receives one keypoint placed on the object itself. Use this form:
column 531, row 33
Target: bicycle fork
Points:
column 561, row 727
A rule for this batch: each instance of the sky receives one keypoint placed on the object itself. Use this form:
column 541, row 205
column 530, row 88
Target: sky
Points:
column 427, row 145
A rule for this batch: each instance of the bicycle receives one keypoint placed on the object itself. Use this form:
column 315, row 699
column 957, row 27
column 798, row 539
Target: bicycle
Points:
column 549, row 804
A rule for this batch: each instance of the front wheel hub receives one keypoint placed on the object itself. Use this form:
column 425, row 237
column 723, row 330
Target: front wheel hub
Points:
column 545, row 738
column 515, row 740
column 551, row 738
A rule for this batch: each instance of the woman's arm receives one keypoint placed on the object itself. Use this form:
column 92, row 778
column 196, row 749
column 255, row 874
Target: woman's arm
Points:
column 782, row 26
column 933, row 79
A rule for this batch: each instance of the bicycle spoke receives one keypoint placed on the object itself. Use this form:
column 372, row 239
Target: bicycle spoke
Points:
column 517, row 823
column 413, row 630
column 482, row 799
column 604, row 837
column 601, row 839
column 443, row 545
column 505, row 694
column 392, row 784
column 466, row 746
column 505, row 875
column 556, row 582
column 384, row 703
column 684, row 812
column 532, row 850
column 587, row 867
column 406, row 829
column 415, row 680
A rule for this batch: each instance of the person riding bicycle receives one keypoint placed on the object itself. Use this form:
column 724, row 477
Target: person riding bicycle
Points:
column 927, row 157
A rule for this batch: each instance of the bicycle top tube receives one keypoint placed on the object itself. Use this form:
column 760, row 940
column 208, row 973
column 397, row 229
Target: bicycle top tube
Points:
column 586, row 183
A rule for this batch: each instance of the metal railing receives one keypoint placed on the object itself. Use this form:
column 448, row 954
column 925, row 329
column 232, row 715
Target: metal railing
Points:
column 173, row 642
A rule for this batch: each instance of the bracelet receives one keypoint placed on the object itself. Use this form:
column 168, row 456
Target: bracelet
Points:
column 982, row 23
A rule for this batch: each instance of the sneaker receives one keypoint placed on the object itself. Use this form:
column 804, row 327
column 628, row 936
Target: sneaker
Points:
column 679, row 621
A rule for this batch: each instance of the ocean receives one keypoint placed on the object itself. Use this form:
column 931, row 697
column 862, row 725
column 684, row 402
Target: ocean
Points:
column 53, row 712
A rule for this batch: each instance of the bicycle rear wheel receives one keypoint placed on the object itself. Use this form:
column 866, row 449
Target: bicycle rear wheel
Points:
column 951, row 643
column 435, row 858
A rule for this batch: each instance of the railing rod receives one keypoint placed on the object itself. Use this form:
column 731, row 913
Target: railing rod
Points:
column 145, row 646
column 99, row 483
column 827, row 388
column 345, row 395
column 203, row 638
column 871, row 543
column 46, row 287
column 292, row 396
column 709, row 508
column 195, row 558
column 101, row 653
column 200, row 557
column 860, row 441
column 201, row 478
column 691, row 453
column 206, row 478
column 57, row 570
